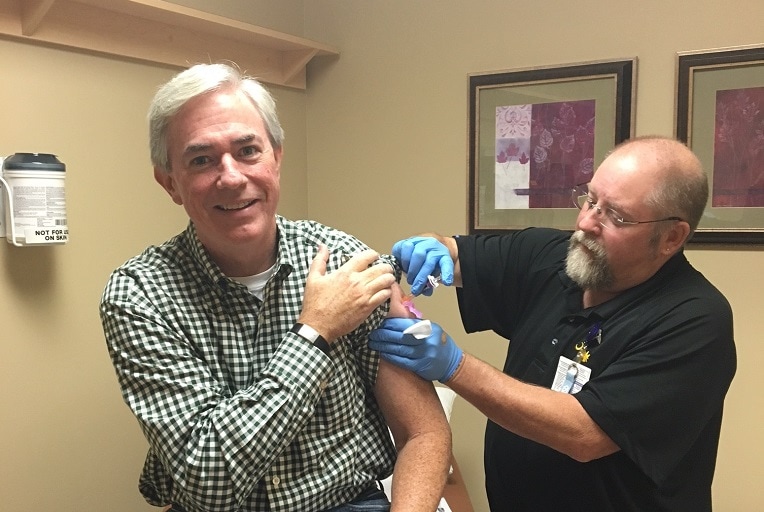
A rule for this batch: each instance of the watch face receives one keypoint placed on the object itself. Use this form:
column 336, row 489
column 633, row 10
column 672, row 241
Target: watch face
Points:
column 308, row 333
column 305, row 331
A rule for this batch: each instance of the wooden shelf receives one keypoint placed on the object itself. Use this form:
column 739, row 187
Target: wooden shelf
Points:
column 161, row 32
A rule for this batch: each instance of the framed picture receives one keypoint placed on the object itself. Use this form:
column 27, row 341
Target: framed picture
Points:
column 720, row 115
column 536, row 133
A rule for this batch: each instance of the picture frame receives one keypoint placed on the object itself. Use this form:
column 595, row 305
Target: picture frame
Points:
column 720, row 116
column 535, row 133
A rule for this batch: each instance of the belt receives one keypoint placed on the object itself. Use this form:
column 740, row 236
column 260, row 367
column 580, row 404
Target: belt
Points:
column 368, row 491
column 374, row 487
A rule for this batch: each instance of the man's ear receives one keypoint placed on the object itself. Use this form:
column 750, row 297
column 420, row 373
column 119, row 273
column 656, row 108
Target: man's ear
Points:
column 278, row 154
column 676, row 237
column 167, row 180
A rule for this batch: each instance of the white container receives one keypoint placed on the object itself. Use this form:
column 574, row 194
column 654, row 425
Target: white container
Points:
column 35, row 207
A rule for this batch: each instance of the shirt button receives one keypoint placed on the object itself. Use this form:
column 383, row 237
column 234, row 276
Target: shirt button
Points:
column 322, row 385
column 276, row 481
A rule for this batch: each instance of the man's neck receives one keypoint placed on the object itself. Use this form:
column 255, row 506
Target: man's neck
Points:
column 247, row 260
column 596, row 297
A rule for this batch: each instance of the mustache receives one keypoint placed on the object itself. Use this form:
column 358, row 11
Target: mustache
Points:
column 579, row 238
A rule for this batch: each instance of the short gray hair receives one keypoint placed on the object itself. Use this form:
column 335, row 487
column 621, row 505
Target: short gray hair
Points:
column 683, row 189
column 195, row 81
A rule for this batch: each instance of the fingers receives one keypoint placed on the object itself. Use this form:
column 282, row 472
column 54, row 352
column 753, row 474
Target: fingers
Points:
column 318, row 265
column 388, row 351
column 447, row 271
column 336, row 302
column 361, row 260
column 384, row 283
column 395, row 343
column 402, row 252
column 398, row 324
column 422, row 264
column 376, row 279
column 410, row 254
column 381, row 272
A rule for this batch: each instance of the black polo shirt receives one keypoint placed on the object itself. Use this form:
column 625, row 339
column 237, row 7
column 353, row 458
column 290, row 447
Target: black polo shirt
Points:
column 659, row 374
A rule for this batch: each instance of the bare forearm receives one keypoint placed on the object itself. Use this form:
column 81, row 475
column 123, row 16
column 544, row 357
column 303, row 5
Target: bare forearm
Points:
column 420, row 473
column 422, row 437
column 548, row 417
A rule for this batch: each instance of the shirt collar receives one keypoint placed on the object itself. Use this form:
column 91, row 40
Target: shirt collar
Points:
column 209, row 268
column 574, row 294
column 286, row 255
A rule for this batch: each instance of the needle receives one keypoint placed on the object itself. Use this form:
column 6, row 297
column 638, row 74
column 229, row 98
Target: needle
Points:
column 433, row 281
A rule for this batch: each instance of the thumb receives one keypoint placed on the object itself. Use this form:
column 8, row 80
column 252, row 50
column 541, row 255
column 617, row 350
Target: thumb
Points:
column 318, row 265
column 398, row 324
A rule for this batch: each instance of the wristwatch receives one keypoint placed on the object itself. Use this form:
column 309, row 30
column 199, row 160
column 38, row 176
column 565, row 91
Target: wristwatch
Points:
column 309, row 333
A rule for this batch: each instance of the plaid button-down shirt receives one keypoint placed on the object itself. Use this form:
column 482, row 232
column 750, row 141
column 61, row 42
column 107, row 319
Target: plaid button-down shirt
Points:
column 240, row 413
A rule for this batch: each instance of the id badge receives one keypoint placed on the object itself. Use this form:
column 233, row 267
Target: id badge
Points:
column 570, row 376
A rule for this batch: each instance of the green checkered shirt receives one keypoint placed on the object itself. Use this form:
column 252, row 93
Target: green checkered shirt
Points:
column 239, row 413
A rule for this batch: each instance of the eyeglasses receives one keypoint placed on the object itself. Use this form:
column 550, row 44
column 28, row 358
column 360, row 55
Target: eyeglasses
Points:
column 607, row 217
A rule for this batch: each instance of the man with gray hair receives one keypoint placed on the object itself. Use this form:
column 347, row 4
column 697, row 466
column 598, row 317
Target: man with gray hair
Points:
column 240, row 345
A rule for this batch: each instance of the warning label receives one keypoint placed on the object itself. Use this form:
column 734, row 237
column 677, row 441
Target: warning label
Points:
column 57, row 235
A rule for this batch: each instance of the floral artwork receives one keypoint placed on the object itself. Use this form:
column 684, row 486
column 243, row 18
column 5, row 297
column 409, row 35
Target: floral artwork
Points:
column 542, row 151
column 738, row 177
column 535, row 133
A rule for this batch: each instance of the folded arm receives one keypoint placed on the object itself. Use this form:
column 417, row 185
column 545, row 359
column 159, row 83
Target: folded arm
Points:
column 192, row 419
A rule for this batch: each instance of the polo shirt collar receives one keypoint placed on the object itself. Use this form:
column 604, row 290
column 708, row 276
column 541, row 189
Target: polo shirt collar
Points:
column 574, row 294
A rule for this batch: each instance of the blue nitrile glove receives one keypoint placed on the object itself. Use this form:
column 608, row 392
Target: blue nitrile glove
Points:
column 435, row 357
column 421, row 256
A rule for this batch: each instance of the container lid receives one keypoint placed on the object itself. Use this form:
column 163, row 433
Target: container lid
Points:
column 33, row 162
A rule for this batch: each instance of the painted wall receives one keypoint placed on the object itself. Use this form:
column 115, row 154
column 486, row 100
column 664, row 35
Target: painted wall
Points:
column 67, row 442
column 387, row 132
column 377, row 146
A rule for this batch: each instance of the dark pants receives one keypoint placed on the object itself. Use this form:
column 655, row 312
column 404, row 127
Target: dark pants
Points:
column 369, row 501
column 372, row 500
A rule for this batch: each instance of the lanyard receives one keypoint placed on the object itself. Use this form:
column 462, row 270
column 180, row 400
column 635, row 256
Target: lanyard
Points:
column 570, row 378
column 576, row 369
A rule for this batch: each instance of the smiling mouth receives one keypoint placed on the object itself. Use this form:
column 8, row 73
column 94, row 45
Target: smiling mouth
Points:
column 236, row 206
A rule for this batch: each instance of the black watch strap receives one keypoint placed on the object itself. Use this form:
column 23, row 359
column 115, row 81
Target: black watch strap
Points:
column 309, row 333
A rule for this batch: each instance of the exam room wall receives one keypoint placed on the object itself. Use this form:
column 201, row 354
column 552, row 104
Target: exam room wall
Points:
column 387, row 153
column 387, row 118
column 67, row 442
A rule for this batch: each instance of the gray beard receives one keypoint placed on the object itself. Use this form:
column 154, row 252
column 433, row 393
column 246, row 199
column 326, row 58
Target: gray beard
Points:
column 589, row 271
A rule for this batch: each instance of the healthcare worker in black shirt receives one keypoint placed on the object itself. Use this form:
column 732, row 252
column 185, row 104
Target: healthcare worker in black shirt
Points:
column 620, row 352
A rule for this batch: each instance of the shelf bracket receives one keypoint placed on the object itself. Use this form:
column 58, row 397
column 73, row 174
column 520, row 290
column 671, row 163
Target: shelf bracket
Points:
column 32, row 14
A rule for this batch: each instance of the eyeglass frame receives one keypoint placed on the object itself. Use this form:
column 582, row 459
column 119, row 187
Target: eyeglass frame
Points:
column 615, row 218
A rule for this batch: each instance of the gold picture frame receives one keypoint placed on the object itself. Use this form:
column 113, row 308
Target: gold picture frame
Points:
column 535, row 133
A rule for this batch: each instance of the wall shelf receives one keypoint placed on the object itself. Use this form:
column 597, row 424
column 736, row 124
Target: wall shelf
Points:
column 161, row 32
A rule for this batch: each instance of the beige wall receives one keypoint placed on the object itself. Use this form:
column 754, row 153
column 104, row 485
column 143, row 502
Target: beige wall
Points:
column 376, row 130
column 67, row 442
column 387, row 132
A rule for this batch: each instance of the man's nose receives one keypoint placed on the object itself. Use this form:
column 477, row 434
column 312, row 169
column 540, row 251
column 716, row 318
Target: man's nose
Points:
column 230, row 173
column 590, row 219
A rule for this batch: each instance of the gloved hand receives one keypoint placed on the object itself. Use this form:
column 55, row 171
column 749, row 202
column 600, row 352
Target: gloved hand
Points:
column 435, row 357
column 421, row 256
